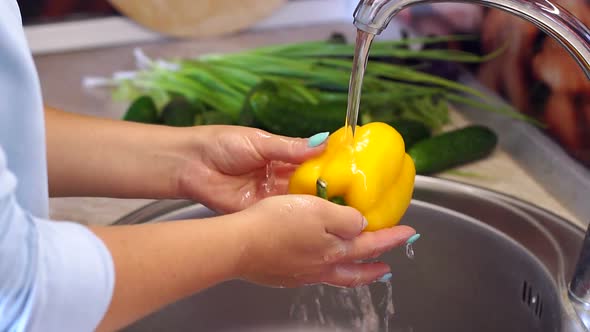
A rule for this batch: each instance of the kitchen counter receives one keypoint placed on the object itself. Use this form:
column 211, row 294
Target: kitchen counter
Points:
column 61, row 80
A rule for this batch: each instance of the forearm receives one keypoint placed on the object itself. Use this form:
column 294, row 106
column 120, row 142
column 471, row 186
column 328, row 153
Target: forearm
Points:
column 56, row 272
column 100, row 157
column 158, row 264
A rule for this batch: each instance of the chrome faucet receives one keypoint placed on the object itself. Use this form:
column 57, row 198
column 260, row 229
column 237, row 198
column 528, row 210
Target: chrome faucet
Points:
column 373, row 16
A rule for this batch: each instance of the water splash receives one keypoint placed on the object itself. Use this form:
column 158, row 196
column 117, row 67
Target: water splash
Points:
column 388, row 304
column 368, row 318
column 345, row 309
column 268, row 185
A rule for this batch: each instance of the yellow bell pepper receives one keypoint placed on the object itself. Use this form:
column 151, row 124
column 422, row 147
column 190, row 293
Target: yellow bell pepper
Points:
column 370, row 172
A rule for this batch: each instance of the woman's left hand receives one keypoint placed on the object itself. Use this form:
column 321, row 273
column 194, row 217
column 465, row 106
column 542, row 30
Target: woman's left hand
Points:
column 223, row 167
column 233, row 167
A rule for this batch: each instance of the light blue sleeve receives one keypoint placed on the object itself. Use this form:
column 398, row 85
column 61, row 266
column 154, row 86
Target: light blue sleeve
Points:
column 54, row 276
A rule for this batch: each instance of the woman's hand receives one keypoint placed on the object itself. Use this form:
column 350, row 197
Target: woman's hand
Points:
column 295, row 240
column 281, row 241
column 231, row 167
column 223, row 167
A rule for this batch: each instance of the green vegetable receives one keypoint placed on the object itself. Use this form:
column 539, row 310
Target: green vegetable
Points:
column 452, row 148
column 213, row 118
column 317, row 75
column 180, row 113
column 276, row 108
column 143, row 109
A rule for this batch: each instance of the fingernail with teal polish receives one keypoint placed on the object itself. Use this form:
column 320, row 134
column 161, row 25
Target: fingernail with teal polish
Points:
column 386, row 277
column 413, row 239
column 317, row 139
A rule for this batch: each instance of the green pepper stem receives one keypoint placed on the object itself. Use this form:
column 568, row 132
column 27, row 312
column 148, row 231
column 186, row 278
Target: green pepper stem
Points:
column 321, row 189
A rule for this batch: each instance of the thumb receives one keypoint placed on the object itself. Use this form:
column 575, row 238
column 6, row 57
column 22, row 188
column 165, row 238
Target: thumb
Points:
column 289, row 149
column 344, row 222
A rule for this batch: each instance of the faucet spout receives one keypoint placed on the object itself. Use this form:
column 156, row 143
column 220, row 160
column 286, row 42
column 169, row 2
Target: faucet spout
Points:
column 373, row 16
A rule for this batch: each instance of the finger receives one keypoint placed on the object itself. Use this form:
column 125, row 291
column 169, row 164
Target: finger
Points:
column 342, row 221
column 281, row 169
column 282, row 175
column 354, row 275
column 372, row 244
column 278, row 182
column 289, row 149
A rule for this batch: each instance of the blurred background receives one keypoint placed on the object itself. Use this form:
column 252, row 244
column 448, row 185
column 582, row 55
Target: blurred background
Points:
column 535, row 74
column 45, row 11
column 73, row 39
column 133, row 57
column 530, row 74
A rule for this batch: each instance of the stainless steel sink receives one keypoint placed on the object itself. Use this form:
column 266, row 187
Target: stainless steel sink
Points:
column 486, row 262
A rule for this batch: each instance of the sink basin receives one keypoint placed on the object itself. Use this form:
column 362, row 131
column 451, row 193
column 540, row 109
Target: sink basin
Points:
column 486, row 262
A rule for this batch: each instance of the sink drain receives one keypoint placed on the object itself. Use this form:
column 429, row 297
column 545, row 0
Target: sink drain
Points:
column 532, row 299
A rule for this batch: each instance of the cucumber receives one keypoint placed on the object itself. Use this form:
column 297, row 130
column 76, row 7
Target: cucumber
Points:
column 273, row 109
column 143, row 109
column 411, row 131
column 179, row 113
column 453, row 148
column 300, row 119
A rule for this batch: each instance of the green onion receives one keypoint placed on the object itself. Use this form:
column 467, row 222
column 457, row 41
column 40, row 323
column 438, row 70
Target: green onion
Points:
column 316, row 72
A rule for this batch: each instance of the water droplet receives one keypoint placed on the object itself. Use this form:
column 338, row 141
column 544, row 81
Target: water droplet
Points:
column 269, row 182
column 409, row 251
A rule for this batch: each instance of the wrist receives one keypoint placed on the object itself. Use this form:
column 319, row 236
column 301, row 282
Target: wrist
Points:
column 234, row 242
column 172, row 153
column 191, row 150
column 246, row 236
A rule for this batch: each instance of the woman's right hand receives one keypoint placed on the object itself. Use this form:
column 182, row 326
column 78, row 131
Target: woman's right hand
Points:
column 280, row 241
column 297, row 240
